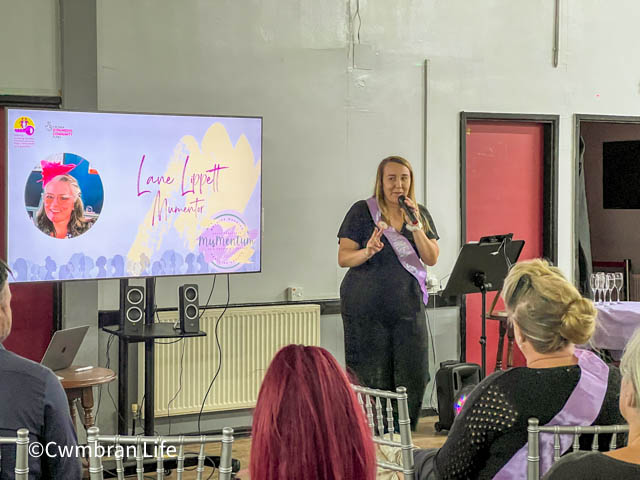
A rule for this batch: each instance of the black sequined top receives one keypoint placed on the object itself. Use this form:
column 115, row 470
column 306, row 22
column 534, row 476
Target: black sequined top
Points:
column 492, row 425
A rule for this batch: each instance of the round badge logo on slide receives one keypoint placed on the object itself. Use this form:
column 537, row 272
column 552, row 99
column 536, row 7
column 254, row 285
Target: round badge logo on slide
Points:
column 227, row 242
column 24, row 125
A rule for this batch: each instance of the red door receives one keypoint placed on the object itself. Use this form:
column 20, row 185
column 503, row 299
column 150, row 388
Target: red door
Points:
column 31, row 303
column 504, row 193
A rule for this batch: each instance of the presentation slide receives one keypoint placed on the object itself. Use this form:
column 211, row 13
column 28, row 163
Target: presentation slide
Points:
column 112, row 195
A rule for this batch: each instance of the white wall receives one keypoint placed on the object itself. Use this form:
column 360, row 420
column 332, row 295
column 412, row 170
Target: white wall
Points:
column 289, row 62
column 328, row 124
column 29, row 46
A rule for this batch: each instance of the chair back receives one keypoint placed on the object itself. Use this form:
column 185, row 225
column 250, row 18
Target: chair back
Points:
column 534, row 429
column 160, row 447
column 21, row 441
column 381, row 417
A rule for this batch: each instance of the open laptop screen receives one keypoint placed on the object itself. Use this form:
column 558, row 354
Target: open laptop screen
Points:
column 63, row 347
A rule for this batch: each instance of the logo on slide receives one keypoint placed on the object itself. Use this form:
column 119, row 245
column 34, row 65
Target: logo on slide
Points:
column 24, row 125
column 227, row 243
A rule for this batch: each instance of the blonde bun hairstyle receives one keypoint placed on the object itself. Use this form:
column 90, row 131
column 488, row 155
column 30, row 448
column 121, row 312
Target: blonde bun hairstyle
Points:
column 549, row 311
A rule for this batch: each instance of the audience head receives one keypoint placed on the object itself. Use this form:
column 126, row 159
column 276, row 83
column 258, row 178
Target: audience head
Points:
column 5, row 302
column 630, row 387
column 308, row 423
column 549, row 311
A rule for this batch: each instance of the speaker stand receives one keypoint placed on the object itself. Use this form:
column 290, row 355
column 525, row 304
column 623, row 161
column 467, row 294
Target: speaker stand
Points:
column 150, row 332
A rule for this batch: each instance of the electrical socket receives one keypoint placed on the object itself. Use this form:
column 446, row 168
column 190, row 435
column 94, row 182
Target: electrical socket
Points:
column 295, row 293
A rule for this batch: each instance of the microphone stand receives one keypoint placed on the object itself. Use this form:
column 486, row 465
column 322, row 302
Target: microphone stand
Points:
column 480, row 269
column 479, row 280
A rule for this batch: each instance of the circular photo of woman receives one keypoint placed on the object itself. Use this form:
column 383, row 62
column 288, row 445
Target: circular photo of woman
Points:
column 64, row 195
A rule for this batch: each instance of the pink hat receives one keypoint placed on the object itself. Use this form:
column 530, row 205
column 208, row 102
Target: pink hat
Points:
column 50, row 170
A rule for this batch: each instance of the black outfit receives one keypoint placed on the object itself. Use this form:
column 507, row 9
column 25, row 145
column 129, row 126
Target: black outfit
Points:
column 492, row 425
column 385, row 331
column 32, row 397
column 592, row 466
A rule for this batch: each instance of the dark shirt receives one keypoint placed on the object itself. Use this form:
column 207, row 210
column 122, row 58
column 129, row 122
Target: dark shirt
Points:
column 381, row 285
column 592, row 466
column 73, row 229
column 32, row 397
column 492, row 425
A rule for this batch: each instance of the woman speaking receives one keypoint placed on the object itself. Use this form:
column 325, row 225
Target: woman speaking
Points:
column 384, row 293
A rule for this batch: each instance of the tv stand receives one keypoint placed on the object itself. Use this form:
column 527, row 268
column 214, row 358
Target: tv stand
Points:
column 150, row 332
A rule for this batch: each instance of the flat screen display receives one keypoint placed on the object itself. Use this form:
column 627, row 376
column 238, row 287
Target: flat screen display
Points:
column 113, row 195
column 621, row 175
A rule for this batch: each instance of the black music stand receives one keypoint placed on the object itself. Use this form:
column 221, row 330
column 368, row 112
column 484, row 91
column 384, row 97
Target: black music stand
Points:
column 482, row 267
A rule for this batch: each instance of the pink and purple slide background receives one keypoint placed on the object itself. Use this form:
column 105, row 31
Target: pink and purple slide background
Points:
column 114, row 144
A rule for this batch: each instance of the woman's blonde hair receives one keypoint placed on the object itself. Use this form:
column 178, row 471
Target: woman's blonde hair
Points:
column 549, row 311
column 378, row 190
column 630, row 364
column 77, row 222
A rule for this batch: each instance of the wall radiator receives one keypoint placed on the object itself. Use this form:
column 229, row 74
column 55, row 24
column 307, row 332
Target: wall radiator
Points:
column 249, row 338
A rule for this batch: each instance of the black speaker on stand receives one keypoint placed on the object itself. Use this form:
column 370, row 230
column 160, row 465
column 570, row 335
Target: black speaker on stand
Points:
column 189, row 308
column 454, row 382
column 133, row 314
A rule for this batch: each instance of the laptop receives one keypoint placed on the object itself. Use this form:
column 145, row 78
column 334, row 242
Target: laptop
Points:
column 63, row 347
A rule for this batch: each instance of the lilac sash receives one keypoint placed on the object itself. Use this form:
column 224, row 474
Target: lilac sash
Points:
column 404, row 251
column 582, row 408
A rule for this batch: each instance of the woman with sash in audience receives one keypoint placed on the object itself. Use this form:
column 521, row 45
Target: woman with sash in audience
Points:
column 560, row 385
column 384, row 293
column 308, row 423
column 624, row 463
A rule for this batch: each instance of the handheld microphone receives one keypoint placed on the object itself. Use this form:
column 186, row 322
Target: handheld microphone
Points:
column 407, row 210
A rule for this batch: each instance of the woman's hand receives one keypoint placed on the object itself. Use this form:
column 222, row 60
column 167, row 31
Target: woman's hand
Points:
column 350, row 254
column 428, row 249
column 374, row 245
column 414, row 208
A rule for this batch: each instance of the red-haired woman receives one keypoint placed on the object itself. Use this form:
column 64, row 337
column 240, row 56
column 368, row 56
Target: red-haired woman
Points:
column 308, row 423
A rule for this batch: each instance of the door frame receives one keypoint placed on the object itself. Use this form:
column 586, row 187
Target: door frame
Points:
column 579, row 118
column 550, row 125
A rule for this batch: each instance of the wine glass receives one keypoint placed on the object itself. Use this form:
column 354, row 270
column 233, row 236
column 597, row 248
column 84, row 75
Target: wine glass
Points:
column 592, row 285
column 611, row 283
column 619, row 283
column 600, row 282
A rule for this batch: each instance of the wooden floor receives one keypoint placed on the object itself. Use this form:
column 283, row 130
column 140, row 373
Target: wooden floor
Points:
column 424, row 437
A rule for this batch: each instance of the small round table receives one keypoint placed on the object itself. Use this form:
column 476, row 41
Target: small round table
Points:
column 78, row 382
